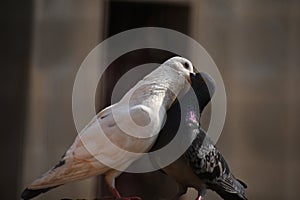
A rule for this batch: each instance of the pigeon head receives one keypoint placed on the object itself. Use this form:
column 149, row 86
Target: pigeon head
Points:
column 204, row 88
column 182, row 65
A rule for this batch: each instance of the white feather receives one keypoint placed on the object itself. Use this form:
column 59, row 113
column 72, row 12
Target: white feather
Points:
column 131, row 124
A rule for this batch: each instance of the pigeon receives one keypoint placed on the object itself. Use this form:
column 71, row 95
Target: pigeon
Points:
column 132, row 124
column 201, row 166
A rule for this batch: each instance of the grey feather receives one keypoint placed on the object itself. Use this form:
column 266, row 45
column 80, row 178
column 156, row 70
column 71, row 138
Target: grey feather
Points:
column 202, row 165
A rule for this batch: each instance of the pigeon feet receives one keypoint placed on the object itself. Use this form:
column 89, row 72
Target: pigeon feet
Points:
column 117, row 196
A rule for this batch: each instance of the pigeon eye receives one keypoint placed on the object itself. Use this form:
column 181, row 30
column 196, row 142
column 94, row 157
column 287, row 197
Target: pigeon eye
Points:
column 186, row 65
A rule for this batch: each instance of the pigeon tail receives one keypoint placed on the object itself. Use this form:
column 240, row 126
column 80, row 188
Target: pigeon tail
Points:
column 230, row 188
column 30, row 193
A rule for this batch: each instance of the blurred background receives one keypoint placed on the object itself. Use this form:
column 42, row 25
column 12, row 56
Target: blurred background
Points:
column 255, row 44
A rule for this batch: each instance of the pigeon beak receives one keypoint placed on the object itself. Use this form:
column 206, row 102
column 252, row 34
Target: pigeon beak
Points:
column 192, row 74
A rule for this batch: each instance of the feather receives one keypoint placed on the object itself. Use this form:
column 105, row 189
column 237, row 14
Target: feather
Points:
column 131, row 124
column 201, row 165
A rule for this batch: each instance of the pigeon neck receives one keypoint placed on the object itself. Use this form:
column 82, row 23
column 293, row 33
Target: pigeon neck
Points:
column 192, row 115
column 161, row 89
column 194, row 104
column 203, row 95
column 190, row 108
column 155, row 95
column 198, row 97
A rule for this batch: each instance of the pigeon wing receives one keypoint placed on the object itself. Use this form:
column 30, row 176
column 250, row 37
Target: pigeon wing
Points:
column 79, row 163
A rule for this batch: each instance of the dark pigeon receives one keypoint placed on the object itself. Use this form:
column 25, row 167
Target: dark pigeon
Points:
column 201, row 166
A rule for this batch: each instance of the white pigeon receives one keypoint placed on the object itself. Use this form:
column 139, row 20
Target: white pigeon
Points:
column 128, row 128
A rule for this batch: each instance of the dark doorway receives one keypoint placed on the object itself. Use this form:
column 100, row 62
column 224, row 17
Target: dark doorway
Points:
column 122, row 16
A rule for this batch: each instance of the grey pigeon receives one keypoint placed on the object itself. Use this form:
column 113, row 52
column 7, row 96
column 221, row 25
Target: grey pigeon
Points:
column 145, row 105
column 201, row 166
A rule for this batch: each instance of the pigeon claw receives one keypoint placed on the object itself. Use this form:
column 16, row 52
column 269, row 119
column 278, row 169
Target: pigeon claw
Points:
column 199, row 198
